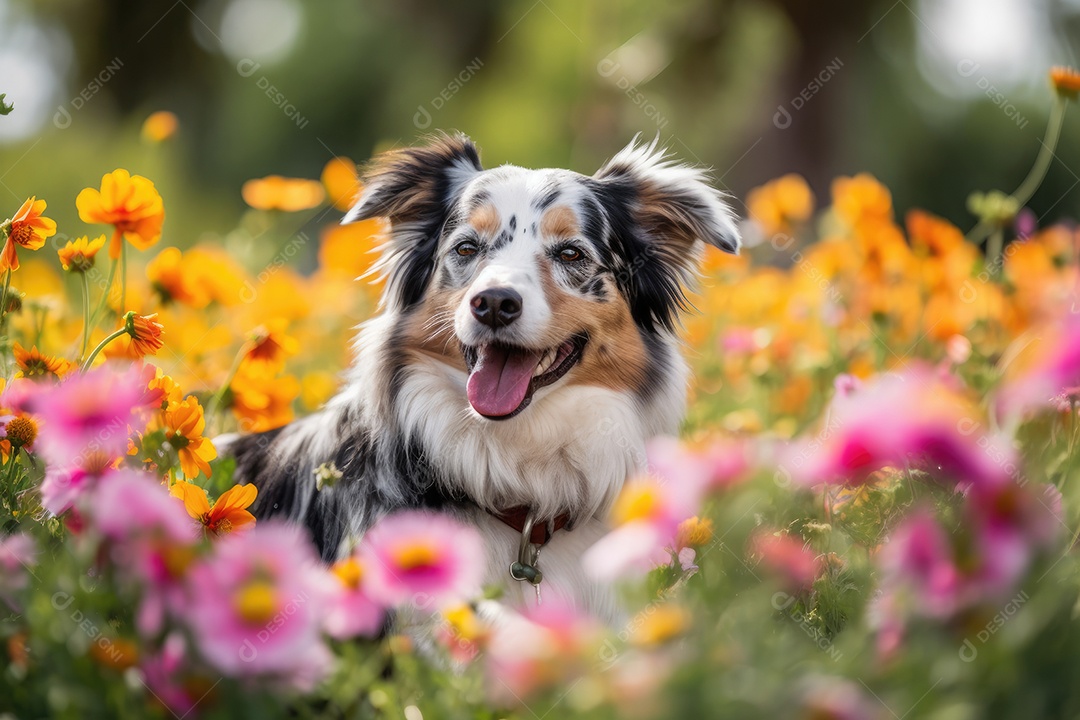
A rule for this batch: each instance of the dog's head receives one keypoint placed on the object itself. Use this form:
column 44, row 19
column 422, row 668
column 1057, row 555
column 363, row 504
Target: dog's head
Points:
column 527, row 279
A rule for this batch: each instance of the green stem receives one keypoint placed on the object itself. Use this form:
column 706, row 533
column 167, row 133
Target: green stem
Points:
column 1046, row 154
column 215, row 401
column 123, row 278
column 86, row 315
column 993, row 251
column 105, row 295
column 9, row 485
column 4, row 294
column 101, row 346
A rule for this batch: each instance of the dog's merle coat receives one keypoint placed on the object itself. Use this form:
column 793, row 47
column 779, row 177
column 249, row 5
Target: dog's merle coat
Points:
column 599, row 264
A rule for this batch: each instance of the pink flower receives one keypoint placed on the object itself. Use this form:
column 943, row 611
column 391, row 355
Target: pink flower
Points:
column 542, row 648
column 650, row 508
column 165, row 673
column 1044, row 370
column 87, row 415
column 787, row 558
column 152, row 541
column 919, row 557
column 63, row 486
column 17, row 554
column 350, row 610
column 256, row 605
column 423, row 558
column 914, row 419
column 738, row 340
column 837, row 699
column 929, row 573
column 128, row 505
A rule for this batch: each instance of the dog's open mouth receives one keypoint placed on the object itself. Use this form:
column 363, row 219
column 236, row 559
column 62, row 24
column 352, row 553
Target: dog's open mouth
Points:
column 503, row 378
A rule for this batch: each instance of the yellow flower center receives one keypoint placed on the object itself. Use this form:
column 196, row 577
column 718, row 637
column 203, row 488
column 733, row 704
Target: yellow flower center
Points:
column 660, row 624
column 22, row 234
column 349, row 572
column 694, row 532
column 636, row 502
column 177, row 560
column 412, row 557
column 21, row 431
column 256, row 602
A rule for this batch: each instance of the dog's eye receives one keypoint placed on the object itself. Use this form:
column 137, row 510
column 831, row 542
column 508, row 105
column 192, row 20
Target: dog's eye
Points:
column 467, row 248
column 570, row 254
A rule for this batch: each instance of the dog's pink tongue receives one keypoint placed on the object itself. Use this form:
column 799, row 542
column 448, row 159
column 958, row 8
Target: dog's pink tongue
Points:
column 500, row 379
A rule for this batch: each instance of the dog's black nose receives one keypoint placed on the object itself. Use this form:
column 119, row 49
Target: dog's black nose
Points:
column 496, row 307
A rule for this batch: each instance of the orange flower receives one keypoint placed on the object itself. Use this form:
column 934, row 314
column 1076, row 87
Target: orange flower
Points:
column 78, row 255
column 261, row 400
column 781, row 203
column 1066, row 81
column 27, row 229
column 268, row 346
column 128, row 202
column 33, row 364
column 159, row 126
column 228, row 514
column 145, row 334
column 184, row 424
column 861, row 198
column 342, row 182
column 280, row 193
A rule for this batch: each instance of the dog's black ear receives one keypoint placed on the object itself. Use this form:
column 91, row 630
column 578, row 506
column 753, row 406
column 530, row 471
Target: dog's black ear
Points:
column 660, row 212
column 414, row 189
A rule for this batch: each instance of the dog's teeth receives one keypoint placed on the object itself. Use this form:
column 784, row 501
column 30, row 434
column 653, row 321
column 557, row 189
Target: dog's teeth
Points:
column 545, row 363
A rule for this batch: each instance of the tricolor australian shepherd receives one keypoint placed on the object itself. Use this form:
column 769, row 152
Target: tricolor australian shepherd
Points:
column 524, row 353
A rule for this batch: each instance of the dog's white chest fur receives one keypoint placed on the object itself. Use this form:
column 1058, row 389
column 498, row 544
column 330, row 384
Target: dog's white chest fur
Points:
column 572, row 451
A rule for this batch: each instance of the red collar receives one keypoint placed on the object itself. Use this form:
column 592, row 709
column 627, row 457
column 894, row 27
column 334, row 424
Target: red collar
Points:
column 515, row 518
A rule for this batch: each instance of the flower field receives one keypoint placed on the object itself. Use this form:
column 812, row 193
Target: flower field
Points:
column 871, row 513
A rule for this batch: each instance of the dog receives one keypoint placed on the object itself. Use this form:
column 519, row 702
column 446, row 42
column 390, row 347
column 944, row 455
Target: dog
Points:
column 524, row 353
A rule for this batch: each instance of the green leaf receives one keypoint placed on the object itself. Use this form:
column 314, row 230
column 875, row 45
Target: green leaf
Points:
column 5, row 109
column 221, row 475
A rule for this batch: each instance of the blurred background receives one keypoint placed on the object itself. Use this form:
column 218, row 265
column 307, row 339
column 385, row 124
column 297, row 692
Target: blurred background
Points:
column 936, row 98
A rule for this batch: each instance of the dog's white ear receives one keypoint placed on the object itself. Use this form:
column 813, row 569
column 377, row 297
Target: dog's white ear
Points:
column 415, row 189
column 671, row 200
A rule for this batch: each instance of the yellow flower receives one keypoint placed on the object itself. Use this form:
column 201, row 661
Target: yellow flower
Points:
column 1066, row 81
column 658, row 624
column 33, row 364
column 184, row 424
column 316, row 388
column 78, row 255
column 694, row 532
column 159, row 126
column 342, row 182
column 280, row 193
column 27, row 229
column 229, row 513
column 130, row 203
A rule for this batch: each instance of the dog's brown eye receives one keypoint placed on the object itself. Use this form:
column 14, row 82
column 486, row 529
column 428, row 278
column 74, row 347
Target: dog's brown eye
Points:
column 570, row 254
column 466, row 249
